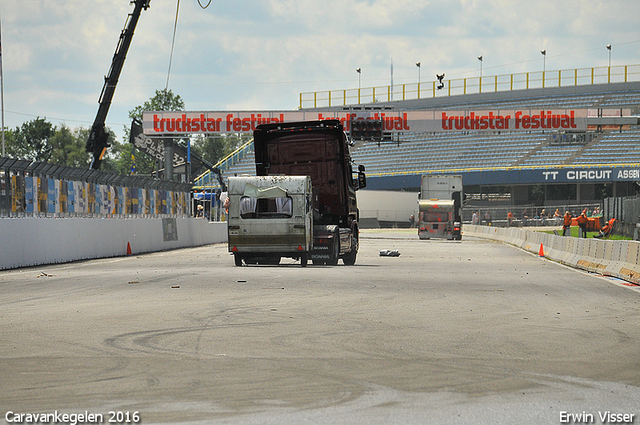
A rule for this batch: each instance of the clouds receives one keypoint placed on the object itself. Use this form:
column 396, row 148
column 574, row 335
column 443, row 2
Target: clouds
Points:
column 260, row 54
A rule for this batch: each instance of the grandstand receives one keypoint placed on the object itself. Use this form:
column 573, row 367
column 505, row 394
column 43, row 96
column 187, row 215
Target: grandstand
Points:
column 508, row 162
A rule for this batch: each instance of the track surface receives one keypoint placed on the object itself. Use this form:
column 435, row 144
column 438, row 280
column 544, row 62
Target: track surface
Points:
column 472, row 332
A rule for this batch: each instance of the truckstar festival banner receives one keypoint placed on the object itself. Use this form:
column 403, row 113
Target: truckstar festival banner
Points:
column 217, row 122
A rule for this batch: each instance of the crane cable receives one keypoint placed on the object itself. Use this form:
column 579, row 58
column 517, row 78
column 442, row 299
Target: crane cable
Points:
column 173, row 42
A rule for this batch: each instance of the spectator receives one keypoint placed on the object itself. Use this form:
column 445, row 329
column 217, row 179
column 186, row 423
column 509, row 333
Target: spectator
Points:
column 525, row 217
column 566, row 224
column 509, row 219
column 582, row 222
column 487, row 218
column 475, row 219
column 543, row 217
column 557, row 217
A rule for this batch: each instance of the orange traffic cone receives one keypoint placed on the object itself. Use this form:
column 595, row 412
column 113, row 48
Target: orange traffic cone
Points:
column 129, row 249
column 541, row 253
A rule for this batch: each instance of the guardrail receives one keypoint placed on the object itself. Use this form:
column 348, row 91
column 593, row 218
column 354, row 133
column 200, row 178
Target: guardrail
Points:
column 609, row 258
column 472, row 85
column 40, row 189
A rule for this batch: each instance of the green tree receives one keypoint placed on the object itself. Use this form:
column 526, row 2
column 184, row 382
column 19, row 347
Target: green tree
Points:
column 122, row 161
column 9, row 143
column 211, row 149
column 163, row 100
column 68, row 148
column 32, row 140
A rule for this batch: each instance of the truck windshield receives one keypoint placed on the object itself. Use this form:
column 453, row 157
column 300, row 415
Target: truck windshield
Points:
column 434, row 216
column 266, row 207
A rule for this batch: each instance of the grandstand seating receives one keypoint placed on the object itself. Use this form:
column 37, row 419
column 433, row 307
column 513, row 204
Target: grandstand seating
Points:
column 420, row 152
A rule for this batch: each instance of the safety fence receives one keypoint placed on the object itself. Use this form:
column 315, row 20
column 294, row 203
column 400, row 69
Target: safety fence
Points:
column 39, row 189
column 526, row 215
column 626, row 210
column 619, row 259
column 473, row 85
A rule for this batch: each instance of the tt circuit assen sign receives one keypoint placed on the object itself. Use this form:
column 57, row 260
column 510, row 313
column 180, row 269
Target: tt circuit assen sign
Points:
column 569, row 175
column 516, row 177
column 179, row 123
column 591, row 175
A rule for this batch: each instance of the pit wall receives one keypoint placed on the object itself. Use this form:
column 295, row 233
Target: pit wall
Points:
column 36, row 241
column 619, row 259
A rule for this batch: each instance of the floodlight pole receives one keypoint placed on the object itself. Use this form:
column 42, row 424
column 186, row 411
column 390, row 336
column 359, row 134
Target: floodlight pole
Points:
column 480, row 82
column 544, row 64
column 359, row 71
column 1, row 90
column 418, row 64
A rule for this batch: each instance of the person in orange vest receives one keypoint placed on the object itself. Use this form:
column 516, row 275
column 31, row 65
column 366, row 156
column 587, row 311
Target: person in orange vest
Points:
column 606, row 230
column 582, row 222
column 566, row 225
column 509, row 219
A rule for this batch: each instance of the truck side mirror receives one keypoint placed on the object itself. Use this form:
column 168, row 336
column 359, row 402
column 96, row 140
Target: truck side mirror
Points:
column 362, row 179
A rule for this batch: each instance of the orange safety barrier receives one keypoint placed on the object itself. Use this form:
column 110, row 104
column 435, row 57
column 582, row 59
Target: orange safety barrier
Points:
column 593, row 223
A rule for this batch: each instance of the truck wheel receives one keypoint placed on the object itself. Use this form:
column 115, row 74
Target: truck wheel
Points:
column 335, row 250
column 349, row 259
column 303, row 260
column 238, row 259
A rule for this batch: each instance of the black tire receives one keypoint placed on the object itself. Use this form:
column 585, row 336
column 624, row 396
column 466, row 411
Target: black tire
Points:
column 237, row 259
column 349, row 259
column 335, row 250
column 303, row 260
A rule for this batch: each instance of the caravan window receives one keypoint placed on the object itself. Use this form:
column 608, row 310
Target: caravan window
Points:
column 266, row 207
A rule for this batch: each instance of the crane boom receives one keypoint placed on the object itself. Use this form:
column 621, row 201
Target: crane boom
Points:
column 97, row 141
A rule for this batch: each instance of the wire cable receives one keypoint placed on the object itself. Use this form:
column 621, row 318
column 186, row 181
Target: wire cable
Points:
column 204, row 7
column 173, row 42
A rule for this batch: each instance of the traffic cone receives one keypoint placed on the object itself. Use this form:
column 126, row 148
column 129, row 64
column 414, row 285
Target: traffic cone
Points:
column 541, row 253
column 129, row 249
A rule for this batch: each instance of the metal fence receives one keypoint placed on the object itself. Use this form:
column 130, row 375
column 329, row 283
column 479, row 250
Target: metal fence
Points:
column 527, row 215
column 473, row 85
column 40, row 189
column 626, row 210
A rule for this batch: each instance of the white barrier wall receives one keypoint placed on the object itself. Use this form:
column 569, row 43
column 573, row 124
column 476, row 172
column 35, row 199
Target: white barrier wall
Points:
column 35, row 241
column 619, row 259
column 387, row 205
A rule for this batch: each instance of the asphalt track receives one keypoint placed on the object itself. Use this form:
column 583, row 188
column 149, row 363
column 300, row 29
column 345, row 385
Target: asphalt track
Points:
column 471, row 332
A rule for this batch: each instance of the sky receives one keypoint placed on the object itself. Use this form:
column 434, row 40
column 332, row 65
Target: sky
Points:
column 261, row 54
